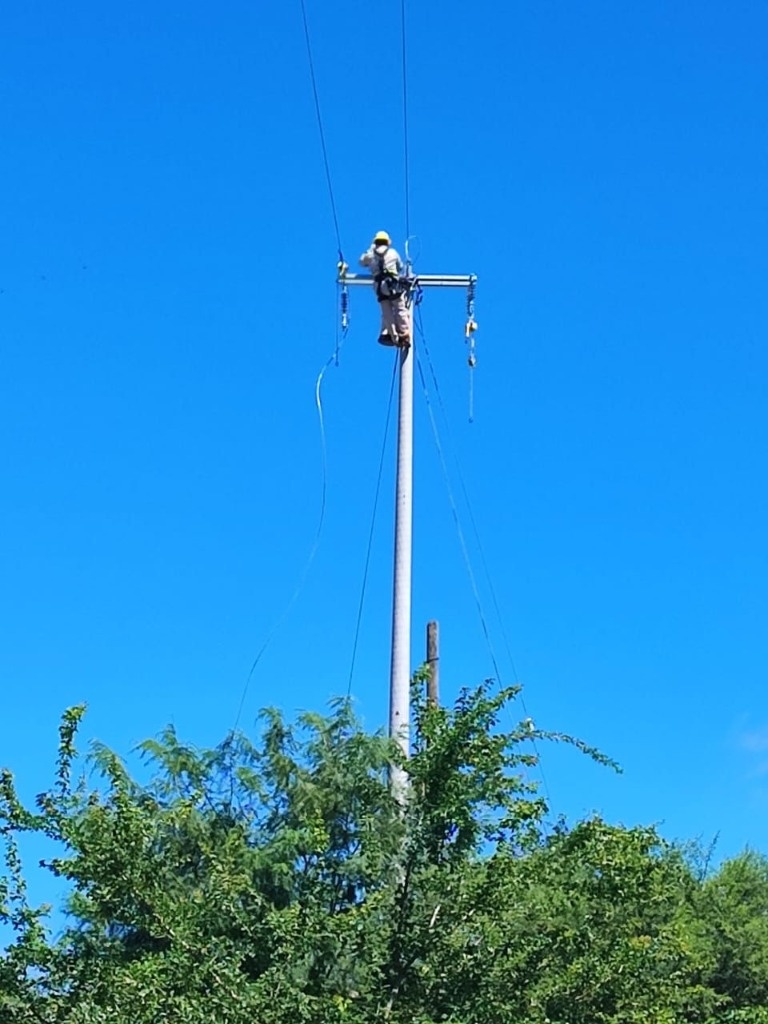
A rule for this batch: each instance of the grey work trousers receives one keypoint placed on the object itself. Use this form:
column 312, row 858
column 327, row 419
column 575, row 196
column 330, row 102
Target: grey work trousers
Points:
column 395, row 318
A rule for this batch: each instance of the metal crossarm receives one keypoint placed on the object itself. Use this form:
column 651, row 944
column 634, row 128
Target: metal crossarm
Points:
column 400, row 665
column 420, row 280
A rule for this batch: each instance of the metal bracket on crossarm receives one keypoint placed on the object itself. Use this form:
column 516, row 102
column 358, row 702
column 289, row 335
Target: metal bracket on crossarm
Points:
column 414, row 287
column 415, row 284
column 400, row 663
column 424, row 280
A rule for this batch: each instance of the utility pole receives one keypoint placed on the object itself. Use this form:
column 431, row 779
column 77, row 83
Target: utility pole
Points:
column 433, row 664
column 400, row 664
column 400, row 661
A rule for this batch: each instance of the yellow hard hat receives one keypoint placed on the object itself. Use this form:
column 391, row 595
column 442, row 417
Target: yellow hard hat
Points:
column 382, row 238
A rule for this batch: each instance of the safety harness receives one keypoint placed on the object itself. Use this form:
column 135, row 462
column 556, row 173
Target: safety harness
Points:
column 389, row 285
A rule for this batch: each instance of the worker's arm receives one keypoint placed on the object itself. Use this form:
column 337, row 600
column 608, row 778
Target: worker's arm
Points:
column 367, row 258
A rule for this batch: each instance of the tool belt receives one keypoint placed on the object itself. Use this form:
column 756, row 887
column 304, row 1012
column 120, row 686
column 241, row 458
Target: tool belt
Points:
column 397, row 287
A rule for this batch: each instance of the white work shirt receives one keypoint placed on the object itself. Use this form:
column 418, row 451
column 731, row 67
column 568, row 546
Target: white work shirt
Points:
column 382, row 259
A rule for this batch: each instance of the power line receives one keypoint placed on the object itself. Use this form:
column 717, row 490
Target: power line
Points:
column 405, row 123
column 320, row 128
column 373, row 523
column 333, row 359
column 462, row 538
column 468, row 503
column 456, row 519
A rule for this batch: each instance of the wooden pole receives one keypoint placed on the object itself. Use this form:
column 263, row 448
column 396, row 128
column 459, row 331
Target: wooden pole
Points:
column 433, row 663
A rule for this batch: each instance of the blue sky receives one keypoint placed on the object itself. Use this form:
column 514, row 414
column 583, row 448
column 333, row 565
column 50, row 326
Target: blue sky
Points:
column 167, row 299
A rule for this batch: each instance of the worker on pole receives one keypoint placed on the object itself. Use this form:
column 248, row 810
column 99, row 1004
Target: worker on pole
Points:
column 391, row 289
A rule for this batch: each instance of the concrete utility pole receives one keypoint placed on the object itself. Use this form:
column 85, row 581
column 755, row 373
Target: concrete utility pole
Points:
column 400, row 665
column 400, row 660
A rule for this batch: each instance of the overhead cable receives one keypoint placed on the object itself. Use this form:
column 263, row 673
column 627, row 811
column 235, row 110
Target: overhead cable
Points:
column 461, row 536
column 405, row 123
column 326, row 161
column 372, row 526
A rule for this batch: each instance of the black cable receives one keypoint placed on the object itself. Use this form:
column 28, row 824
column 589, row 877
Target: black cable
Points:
column 332, row 359
column 373, row 523
column 462, row 539
column 468, row 503
column 405, row 126
column 456, row 519
column 322, row 132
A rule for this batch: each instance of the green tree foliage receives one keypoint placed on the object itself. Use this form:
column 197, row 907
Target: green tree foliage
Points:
column 277, row 881
column 728, row 918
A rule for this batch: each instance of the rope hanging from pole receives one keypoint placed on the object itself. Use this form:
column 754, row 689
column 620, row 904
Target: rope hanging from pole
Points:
column 303, row 576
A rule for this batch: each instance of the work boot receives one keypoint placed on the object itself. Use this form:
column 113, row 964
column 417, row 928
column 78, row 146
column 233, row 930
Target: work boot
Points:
column 404, row 341
column 384, row 339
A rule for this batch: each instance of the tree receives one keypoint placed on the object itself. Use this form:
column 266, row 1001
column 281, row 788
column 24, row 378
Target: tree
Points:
column 729, row 919
column 277, row 880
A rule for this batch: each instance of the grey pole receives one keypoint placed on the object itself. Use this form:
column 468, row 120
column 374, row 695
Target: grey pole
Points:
column 400, row 667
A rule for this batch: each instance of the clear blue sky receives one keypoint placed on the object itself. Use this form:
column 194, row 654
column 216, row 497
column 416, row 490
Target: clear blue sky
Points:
column 167, row 299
